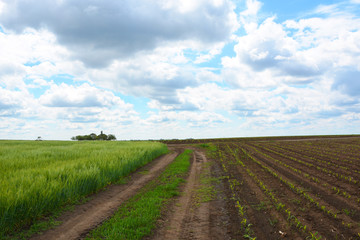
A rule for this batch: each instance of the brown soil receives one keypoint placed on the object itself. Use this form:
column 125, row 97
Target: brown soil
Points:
column 220, row 218
column 182, row 223
column 344, row 226
column 77, row 223
column 267, row 223
column 188, row 217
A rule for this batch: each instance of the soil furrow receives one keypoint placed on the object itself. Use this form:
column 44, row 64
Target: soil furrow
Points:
column 323, row 184
column 267, row 222
column 327, row 161
column 329, row 198
column 325, row 178
column 224, row 217
column 288, row 194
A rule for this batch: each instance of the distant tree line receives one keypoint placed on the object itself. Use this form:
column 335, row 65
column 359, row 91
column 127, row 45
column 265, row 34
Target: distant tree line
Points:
column 93, row 137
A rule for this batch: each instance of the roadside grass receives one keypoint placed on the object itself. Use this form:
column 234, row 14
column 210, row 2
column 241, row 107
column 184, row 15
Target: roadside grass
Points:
column 137, row 218
column 210, row 149
column 206, row 192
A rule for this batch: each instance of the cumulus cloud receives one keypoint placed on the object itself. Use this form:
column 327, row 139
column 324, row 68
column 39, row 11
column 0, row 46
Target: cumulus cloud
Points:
column 30, row 55
column 10, row 102
column 295, row 51
column 100, row 31
column 74, row 108
column 265, row 47
column 193, row 119
column 17, row 103
column 80, row 96
column 171, row 56
column 253, row 7
column 271, row 47
column 156, row 75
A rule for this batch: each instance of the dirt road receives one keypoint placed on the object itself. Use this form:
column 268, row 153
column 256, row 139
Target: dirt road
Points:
column 77, row 223
column 196, row 217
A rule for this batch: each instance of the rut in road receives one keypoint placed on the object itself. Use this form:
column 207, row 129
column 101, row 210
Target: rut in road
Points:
column 187, row 221
column 77, row 223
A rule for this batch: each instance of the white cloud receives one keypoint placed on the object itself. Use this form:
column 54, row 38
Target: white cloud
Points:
column 216, row 50
column 30, row 46
column 82, row 96
column 298, row 74
column 2, row 6
column 193, row 119
column 266, row 46
column 294, row 52
column 155, row 75
column 123, row 29
column 32, row 54
column 248, row 18
column 10, row 101
column 253, row 7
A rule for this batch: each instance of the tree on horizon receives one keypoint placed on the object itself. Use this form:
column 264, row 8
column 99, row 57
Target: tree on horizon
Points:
column 94, row 137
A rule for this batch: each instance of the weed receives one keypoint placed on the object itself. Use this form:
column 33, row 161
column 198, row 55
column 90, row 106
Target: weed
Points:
column 314, row 236
column 279, row 206
column 296, row 201
column 144, row 172
column 273, row 222
column 261, row 206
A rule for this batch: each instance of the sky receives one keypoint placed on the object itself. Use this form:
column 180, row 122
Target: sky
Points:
column 166, row 69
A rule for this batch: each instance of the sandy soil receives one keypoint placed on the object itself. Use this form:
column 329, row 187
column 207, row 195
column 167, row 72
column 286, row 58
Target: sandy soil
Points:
column 77, row 223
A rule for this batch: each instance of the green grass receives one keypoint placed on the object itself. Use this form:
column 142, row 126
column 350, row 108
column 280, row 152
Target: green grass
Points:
column 206, row 190
column 210, row 149
column 138, row 216
column 39, row 178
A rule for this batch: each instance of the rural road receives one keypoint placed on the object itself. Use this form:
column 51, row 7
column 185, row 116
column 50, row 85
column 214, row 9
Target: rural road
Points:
column 188, row 221
column 77, row 223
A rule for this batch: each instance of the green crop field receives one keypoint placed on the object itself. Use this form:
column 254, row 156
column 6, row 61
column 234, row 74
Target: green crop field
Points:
column 37, row 178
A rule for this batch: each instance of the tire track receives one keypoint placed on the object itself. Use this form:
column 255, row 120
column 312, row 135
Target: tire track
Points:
column 188, row 221
column 77, row 223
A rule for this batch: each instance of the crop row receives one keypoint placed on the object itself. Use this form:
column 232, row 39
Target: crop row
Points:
column 233, row 183
column 313, row 156
column 331, row 151
column 346, row 221
column 293, row 186
column 339, row 191
column 310, row 164
column 342, row 157
column 279, row 206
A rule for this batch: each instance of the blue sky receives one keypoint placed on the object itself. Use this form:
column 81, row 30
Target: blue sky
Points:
column 179, row 69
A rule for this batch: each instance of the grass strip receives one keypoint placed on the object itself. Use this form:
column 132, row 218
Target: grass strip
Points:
column 136, row 218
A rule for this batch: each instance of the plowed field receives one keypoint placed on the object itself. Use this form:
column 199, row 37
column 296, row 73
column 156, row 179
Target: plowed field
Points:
column 294, row 189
